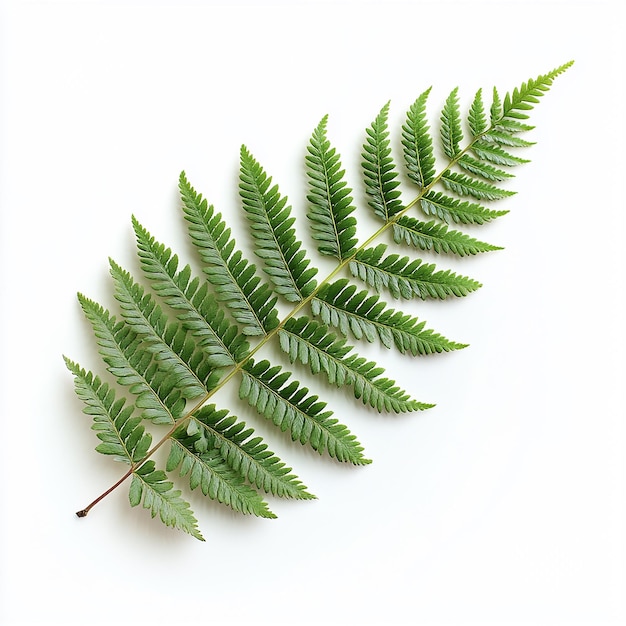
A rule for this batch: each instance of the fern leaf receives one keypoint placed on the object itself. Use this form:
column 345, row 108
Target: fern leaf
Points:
column 418, row 144
column 477, row 119
column 511, row 126
column 176, row 345
column 211, row 473
column 437, row 237
column 450, row 209
column 289, row 407
column 468, row 186
column 330, row 205
column 120, row 347
column 199, row 312
column 366, row 316
column 249, row 299
column 505, row 138
column 244, row 453
column 283, row 255
column 310, row 343
column 120, row 431
column 405, row 278
column 496, row 108
column 160, row 498
column 378, row 169
column 527, row 95
column 451, row 132
column 175, row 351
column 480, row 168
column 495, row 154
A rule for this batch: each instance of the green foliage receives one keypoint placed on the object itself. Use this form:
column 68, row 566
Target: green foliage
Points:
column 380, row 178
column 330, row 208
column 406, row 278
column 418, row 144
column 179, row 337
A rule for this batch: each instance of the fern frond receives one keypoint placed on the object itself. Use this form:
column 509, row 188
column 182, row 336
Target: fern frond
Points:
column 480, row 168
column 330, row 204
column 418, row 144
column 186, row 338
column 151, row 486
column 249, row 299
column 437, row 237
column 450, row 209
column 506, row 138
column 493, row 153
column 212, row 474
column 308, row 342
column 512, row 126
column 451, row 132
column 281, row 400
column 245, row 453
column 467, row 186
column 496, row 108
column 379, row 172
column 527, row 95
column 120, row 431
column 477, row 119
column 157, row 394
column 199, row 311
column 171, row 345
column 366, row 316
column 406, row 278
column 283, row 255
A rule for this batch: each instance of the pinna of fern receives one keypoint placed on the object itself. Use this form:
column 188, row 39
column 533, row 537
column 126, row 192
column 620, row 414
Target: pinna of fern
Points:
column 178, row 338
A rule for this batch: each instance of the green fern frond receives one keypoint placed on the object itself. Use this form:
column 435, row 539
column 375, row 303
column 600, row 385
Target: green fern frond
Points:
column 418, row 144
column 507, row 139
column 365, row 316
column 467, row 186
column 151, row 486
column 452, row 210
column 212, row 474
column 199, row 311
column 380, row 177
column 271, row 392
column 437, row 237
column 482, row 169
column 495, row 154
column 308, row 342
column 512, row 126
column 171, row 345
column 245, row 453
column 330, row 204
column 496, row 108
column 157, row 392
column 236, row 284
column 120, row 431
column 527, row 95
column 477, row 119
column 283, row 255
column 451, row 131
column 406, row 278
column 176, row 345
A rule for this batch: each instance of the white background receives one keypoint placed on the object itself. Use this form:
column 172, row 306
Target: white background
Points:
column 505, row 503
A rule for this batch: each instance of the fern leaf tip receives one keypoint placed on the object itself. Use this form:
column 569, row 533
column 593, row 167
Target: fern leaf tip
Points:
column 321, row 127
